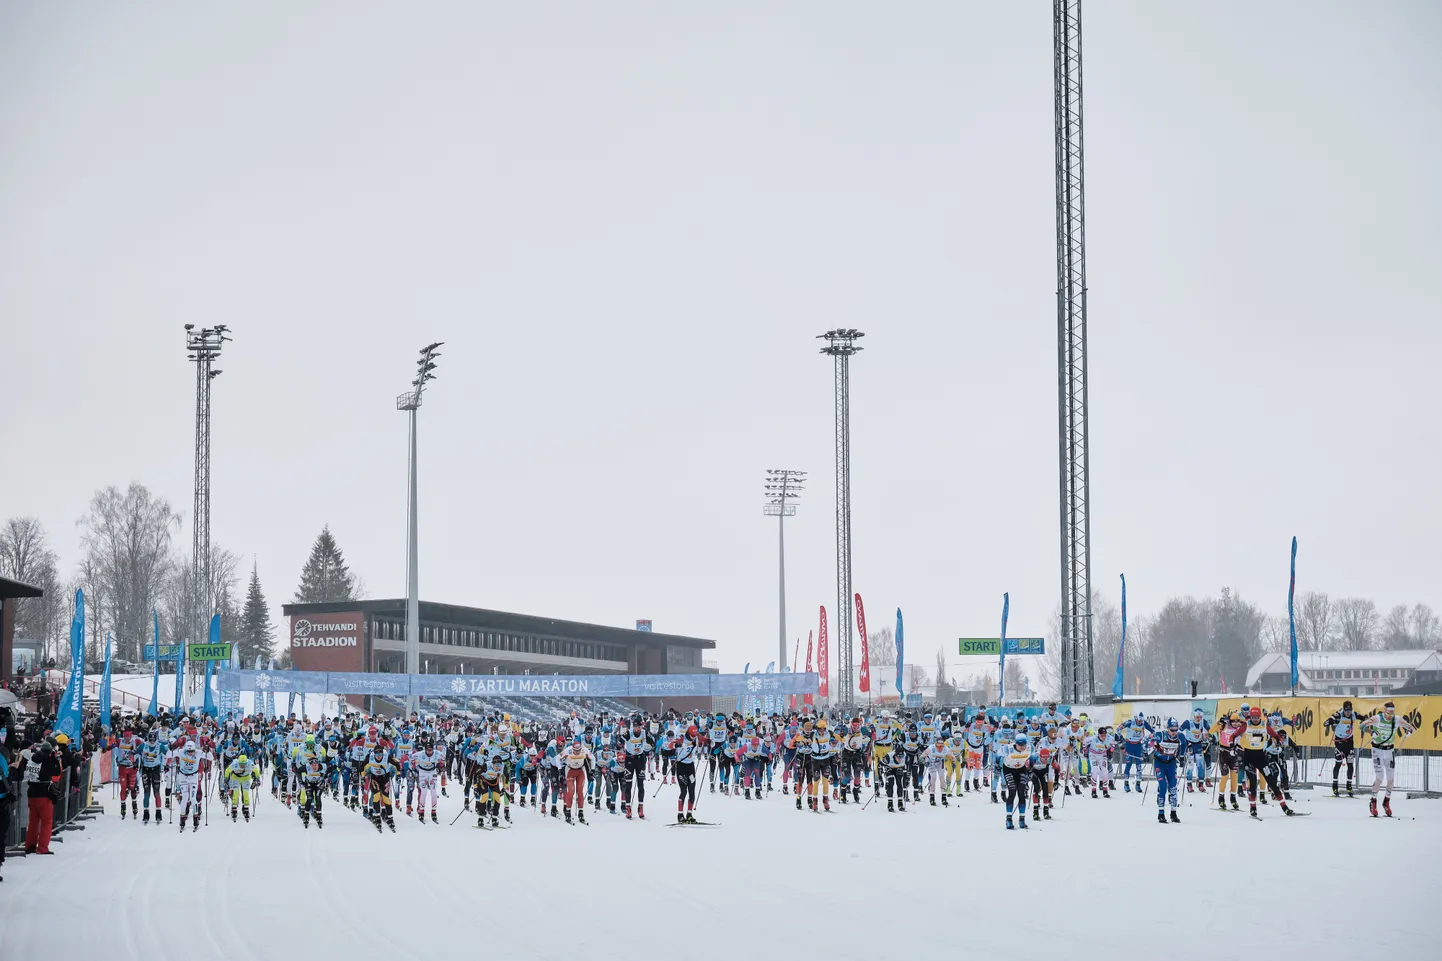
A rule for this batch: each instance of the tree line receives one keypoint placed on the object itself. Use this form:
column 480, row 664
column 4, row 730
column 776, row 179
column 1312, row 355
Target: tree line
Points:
column 132, row 562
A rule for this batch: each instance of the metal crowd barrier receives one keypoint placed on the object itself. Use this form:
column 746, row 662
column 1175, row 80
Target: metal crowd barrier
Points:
column 70, row 810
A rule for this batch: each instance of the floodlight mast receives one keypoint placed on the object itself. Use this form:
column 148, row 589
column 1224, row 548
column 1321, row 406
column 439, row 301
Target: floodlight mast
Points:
column 840, row 345
column 203, row 347
column 783, row 487
column 411, row 402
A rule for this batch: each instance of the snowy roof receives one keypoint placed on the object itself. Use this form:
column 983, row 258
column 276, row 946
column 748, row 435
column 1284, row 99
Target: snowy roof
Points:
column 1309, row 661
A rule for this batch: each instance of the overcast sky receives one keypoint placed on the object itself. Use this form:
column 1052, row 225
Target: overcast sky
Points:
column 629, row 221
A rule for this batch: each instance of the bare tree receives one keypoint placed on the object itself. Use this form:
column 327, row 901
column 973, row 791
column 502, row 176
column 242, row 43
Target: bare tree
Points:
column 1426, row 629
column 881, row 645
column 1396, row 632
column 126, row 536
column 1015, row 679
column 1276, row 634
column 25, row 555
column 1315, row 626
column 1357, row 621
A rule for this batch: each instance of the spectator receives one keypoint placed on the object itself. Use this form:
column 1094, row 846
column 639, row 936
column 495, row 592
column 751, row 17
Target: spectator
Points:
column 7, row 797
column 42, row 773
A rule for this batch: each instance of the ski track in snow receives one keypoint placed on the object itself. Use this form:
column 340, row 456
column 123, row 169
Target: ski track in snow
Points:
column 1101, row 877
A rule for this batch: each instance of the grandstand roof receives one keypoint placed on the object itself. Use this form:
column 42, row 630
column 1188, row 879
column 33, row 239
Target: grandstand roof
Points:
column 452, row 614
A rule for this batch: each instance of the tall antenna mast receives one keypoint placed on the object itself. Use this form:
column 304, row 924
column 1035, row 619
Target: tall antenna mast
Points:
column 841, row 344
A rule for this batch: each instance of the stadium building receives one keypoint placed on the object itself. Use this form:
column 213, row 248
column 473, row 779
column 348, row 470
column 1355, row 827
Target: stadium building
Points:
column 369, row 635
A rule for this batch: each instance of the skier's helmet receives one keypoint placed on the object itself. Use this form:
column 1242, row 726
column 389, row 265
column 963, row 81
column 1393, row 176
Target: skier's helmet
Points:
column 1141, row 715
column 1256, row 714
column 692, row 732
column 242, row 759
column 1020, row 739
column 1172, row 724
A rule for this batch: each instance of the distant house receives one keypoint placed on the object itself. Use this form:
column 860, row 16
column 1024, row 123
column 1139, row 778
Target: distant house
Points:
column 1345, row 673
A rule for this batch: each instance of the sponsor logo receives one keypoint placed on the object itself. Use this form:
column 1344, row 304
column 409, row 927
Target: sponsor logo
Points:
column 262, row 682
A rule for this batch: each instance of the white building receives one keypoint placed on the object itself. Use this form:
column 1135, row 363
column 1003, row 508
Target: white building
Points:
column 1344, row 673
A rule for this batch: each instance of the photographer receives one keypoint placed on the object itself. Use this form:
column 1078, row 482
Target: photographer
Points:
column 41, row 772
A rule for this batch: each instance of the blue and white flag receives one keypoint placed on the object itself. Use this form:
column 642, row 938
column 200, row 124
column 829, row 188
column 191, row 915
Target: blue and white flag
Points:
column 105, row 686
column 1119, row 683
column 900, row 653
column 270, row 694
column 208, row 705
column 1292, row 613
column 70, row 716
column 155, row 681
column 769, row 702
column 1001, row 663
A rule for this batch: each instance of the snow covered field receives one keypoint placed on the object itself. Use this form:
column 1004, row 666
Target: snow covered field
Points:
column 1101, row 879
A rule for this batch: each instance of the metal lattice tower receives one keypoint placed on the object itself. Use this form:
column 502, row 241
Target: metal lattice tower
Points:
column 841, row 344
column 1071, row 337
column 783, row 487
column 203, row 347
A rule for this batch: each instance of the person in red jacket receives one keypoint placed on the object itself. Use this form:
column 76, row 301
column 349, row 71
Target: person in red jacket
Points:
column 42, row 774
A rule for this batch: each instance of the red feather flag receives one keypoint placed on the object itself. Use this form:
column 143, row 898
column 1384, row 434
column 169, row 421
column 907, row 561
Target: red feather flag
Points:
column 822, row 657
column 865, row 654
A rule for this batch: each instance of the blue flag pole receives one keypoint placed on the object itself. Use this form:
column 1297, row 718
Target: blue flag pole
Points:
column 1001, row 663
column 900, row 653
column 1292, row 614
column 1119, row 684
column 105, row 685
column 155, row 681
column 208, row 705
column 69, row 717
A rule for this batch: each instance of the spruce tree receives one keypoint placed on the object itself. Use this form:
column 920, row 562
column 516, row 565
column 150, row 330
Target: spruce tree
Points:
column 325, row 576
column 257, row 636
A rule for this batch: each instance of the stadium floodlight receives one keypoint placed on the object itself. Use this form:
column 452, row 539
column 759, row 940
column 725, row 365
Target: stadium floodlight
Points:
column 782, row 488
column 840, row 346
column 411, row 402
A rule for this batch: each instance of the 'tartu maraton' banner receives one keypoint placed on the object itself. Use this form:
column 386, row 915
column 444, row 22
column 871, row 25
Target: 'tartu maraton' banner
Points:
column 520, row 685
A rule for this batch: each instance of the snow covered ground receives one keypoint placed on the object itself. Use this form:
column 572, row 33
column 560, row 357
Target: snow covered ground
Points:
column 1101, row 879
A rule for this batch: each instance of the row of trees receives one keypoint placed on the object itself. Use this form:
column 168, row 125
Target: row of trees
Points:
column 131, row 563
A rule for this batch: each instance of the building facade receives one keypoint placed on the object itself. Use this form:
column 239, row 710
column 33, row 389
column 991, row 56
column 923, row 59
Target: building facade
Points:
column 1345, row 673
column 369, row 635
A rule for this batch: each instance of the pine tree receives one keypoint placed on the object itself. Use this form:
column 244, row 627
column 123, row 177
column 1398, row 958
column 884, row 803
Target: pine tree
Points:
column 325, row 576
column 257, row 636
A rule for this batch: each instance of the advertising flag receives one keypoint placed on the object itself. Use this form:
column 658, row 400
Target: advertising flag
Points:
column 1292, row 613
column 807, row 699
column 865, row 678
column 209, row 708
column 822, row 656
column 179, row 677
column 70, row 715
column 105, row 686
column 900, row 653
column 1119, row 683
column 1001, row 664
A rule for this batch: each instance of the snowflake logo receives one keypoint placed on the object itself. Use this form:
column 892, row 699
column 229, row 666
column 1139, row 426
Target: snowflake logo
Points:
column 262, row 682
column 753, row 685
column 458, row 685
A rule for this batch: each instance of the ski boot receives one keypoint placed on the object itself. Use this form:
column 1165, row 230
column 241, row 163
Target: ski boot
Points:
column 390, row 823
column 409, row 812
column 748, row 794
column 1127, row 787
column 467, row 805
column 933, row 800
column 1174, row 818
column 122, row 810
column 943, row 801
column 845, row 795
column 1253, row 811
column 1111, row 785
column 533, row 800
column 901, row 806
column 1094, row 792
column 182, row 817
column 798, row 802
column 234, row 814
column 890, row 805
column 1104, row 792
column 1021, row 822
column 580, row 815
column 146, row 819
column 1234, row 803
column 134, row 807
column 1387, row 805
column 1046, row 813
column 434, row 819
column 245, row 812
column 568, row 816
column 627, row 809
column 1349, row 790
column 195, row 824
column 553, row 811
column 856, row 795
column 1161, row 816
column 305, row 820
column 680, row 818
column 641, row 811
column 1009, row 825
column 993, row 798
column 318, row 824
column 506, row 813
column 826, row 803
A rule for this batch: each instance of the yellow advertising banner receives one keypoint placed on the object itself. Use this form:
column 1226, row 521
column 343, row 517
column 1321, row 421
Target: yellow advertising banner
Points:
column 1309, row 715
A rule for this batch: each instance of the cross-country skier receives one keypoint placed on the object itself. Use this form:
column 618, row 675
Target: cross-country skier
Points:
column 1168, row 748
column 1387, row 730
